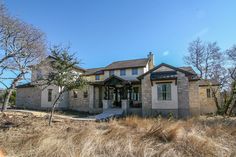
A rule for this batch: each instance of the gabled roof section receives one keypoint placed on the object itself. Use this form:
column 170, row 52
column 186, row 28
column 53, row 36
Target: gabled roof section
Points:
column 127, row 64
column 113, row 80
column 94, row 71
column 186, row 71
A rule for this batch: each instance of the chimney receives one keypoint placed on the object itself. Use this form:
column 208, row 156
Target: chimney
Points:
column 151, row 60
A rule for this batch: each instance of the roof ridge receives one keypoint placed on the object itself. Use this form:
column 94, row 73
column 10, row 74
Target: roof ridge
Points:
column 95, row 68
column 129, row 60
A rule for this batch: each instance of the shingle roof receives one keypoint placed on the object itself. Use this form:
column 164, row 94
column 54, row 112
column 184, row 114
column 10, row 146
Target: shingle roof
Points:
column 127, row 64
column 189, row 69
column 185, row 70
column 208, row 82
column 93, row 71
column 26, row 85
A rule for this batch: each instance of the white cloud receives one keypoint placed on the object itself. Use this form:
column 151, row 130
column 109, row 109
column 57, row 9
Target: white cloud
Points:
column 165, row 53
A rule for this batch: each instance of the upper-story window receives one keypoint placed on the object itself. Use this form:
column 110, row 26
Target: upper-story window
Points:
column 164, row 91
column 134, row 71
column 111, row 72
column 97, row 77
column 122, row 72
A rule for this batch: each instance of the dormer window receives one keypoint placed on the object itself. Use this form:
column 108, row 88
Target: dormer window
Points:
column 134, row 71
column 97, row 77
column 111, row 72
column 122, row 72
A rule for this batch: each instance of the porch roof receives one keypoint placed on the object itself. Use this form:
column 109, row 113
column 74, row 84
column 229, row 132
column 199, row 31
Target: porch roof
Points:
column 115, row 80
column 163, row 75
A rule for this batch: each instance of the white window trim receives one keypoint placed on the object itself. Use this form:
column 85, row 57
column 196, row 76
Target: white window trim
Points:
column 162, row 92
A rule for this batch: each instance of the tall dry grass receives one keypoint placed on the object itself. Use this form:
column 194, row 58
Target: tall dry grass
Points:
column 30, row 136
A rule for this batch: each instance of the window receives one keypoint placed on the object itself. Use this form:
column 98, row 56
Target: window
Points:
column 135, row 71
column 164, row 91
column 75, row 95
column 97, row 77
column 111, row 72
column 49, row 95
column 86, row 94
column 122, row 72
column 135, row 94
column 208, row 92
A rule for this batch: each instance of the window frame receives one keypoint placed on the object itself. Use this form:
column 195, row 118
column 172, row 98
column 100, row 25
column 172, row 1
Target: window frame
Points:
column 166, row 93
column 208, row 93
column 134, row 71
column 111, row 72
column 122, row 72
column 75, row 94
column 50, row 95
column 97, row 77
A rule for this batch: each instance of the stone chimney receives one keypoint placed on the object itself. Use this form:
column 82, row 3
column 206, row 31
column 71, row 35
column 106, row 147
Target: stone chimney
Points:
column 151, row 60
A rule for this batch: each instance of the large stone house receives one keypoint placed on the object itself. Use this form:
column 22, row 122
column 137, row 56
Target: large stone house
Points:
column 136, row 86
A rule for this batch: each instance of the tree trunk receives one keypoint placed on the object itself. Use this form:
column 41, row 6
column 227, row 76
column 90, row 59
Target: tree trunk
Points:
column 6, row 100
column 9, row 91
column 229, row 102
column 216, row 100
column 53, row 108
column 232, row 108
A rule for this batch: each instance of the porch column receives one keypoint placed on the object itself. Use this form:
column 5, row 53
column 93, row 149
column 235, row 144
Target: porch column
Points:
column 91, row 97
column 125, row 105
column 106, row 102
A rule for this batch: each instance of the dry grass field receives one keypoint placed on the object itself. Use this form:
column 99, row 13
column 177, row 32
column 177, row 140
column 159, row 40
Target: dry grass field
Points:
column 27, row 135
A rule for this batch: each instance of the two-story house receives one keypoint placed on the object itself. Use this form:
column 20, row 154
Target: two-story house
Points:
column 136, row 86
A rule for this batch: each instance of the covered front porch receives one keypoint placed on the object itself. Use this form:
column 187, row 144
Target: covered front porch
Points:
column 116, row 92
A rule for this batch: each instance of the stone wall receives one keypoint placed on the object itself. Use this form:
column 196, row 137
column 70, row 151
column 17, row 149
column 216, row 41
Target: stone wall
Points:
column 207, row 105
column 81, row 103
column 28, row 98
column 183, row 95
column 146, row 96
column 194, row 102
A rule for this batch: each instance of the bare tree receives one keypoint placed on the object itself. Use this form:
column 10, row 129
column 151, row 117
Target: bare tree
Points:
column 195, row 55
column 21, row 45
column 231, row 102
column 207, row 58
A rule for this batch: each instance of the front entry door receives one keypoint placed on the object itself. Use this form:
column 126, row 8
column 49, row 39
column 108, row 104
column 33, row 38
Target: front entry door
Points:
column 117, row 97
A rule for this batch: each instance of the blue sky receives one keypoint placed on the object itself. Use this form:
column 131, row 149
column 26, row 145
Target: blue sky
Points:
column 102, row 31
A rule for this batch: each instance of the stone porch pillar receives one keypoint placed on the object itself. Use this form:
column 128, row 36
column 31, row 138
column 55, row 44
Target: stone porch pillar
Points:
column 125, row 105
column 91, row 97
column 106, row 104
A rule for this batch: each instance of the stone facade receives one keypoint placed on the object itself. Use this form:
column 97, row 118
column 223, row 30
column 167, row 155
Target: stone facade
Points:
column 183, row 95
column 28, row 98
column 146, row 95
column 79, row 100
column 207, row 104
column 194, row 98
